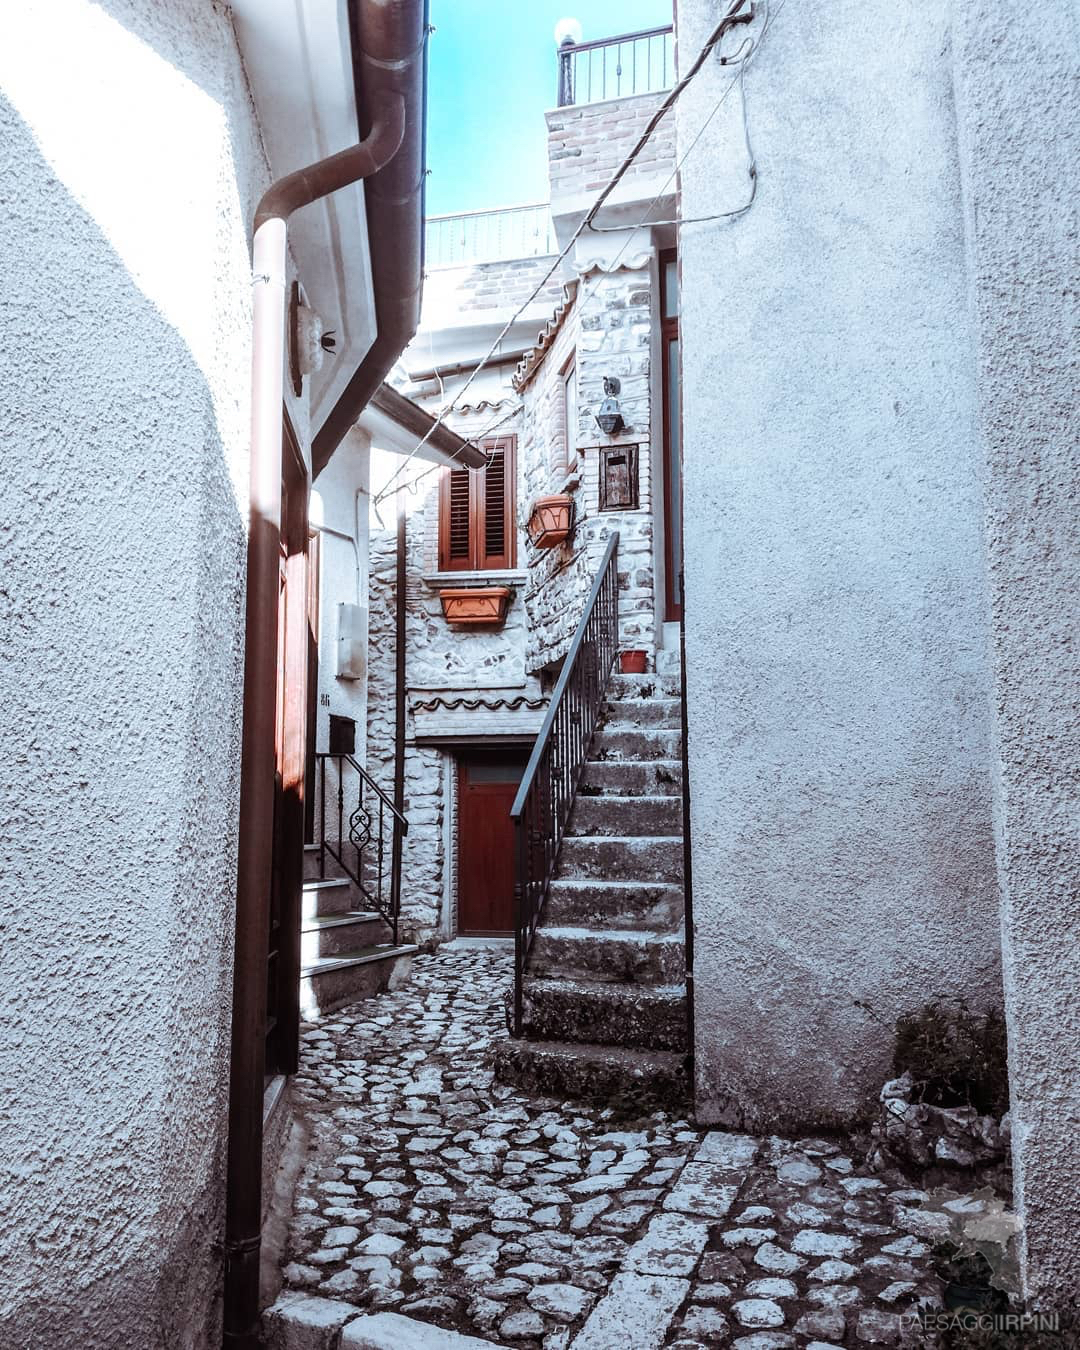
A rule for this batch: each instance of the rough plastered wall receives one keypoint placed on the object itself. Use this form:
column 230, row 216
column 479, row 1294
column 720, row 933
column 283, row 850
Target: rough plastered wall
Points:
column 130, row 165
column 837, row 675
column 1018, row 102
column 608, row 331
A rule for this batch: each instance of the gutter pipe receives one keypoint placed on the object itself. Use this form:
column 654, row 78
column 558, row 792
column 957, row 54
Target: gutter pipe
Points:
column 243, row 1204
column 389, row 41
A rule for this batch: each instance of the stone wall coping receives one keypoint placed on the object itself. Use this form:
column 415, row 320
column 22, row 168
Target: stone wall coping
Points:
column 655, row 94
column 515, row 576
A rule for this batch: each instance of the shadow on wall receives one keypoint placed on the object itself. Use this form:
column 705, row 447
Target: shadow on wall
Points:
column 121, row 625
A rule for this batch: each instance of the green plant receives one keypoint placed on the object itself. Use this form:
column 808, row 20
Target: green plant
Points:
column 956, row 1057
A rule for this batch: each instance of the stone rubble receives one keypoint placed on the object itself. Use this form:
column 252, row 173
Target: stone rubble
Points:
column 436, row 1193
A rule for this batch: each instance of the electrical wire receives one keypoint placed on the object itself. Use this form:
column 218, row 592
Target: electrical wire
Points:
column 742, row 61
column 736, row 13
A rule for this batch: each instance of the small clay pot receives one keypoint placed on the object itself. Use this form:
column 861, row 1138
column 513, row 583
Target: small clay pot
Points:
column 632, row 663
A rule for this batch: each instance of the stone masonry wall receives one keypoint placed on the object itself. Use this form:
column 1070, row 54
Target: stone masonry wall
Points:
column 587, row 144
column 422, row 856
column 608, row 330
column 496, row 284
column 468, row 662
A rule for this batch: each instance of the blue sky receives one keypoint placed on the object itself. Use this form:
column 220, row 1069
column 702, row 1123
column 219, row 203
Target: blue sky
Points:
column 492, row 76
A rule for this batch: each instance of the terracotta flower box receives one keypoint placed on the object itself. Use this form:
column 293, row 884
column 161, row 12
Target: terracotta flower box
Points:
column 551, row 520
column 480, row 606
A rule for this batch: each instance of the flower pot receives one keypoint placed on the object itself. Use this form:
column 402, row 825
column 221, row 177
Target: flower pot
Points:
column 632, row 663
column 478, row 606
column 551, row 520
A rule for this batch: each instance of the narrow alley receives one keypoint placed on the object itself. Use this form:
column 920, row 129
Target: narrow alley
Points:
column 430, row 1190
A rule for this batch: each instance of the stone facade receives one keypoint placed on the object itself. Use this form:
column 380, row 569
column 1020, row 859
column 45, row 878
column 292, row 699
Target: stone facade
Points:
column 467, row 685
column 599, row 310
column 587, row 143
column 606, row 330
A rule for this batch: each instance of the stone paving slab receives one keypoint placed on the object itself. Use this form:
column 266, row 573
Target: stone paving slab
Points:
column 468, row 1207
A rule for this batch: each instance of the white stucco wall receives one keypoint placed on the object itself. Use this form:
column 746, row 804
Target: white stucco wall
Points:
column 837, row 675
column 1019, row 118
column 340, row 502
column 131, row 163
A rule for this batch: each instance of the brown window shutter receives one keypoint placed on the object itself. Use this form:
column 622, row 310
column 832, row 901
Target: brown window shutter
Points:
column 496, row 541
column 476, row 513
column 455, row 551
column 494, row 497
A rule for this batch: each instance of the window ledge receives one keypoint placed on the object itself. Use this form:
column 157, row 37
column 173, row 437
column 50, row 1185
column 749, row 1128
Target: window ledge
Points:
column 512, row 576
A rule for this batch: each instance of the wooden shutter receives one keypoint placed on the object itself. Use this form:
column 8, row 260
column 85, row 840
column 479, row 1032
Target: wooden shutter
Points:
column 456, row 516
column 476, row 513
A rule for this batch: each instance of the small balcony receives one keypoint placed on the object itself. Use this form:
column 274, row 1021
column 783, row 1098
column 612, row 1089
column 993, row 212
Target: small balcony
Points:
column 499, row 235
column 616, row 67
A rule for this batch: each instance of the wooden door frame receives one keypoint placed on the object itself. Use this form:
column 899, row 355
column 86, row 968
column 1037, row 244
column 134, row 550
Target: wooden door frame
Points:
column 288, row 862
column 461, row 753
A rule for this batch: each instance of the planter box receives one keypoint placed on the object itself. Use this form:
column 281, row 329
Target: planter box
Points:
column 479, row 606
column 551, row 520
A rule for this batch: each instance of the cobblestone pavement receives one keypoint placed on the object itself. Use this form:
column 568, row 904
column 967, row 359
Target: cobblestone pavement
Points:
column 435, row 1192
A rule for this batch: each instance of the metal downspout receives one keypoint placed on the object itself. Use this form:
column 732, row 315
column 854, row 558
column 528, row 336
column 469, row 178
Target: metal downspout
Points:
column 389, row 53
column 243, row 1205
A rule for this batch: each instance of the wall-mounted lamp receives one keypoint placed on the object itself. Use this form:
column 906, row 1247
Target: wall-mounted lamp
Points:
column 610, row 418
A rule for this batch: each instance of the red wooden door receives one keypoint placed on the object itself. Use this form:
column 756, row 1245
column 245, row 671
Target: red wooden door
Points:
column 487, row 784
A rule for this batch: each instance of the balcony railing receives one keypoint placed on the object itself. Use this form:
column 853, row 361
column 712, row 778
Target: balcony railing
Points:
column 490, row 236
column 636, row 63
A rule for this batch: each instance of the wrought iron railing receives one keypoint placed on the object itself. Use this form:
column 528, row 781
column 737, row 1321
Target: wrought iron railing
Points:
column 362, row 830
column 635, row 63
column 489, row 236
column 542, row 805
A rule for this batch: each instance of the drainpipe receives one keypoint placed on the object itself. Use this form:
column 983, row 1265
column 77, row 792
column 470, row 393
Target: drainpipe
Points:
column 389, row 41
column 243, row 1204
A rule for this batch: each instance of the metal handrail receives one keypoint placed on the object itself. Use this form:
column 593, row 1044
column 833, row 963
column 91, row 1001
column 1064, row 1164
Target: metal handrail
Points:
column 549, row 785
column 622, row 37
column 650, row 71
column 378, row 880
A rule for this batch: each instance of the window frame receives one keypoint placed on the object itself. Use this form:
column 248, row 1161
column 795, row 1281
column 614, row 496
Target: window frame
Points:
column 478, row 559
column 672, row 443
column 568, row 384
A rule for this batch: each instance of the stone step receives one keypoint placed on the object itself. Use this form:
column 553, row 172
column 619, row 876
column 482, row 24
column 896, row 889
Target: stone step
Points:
column 652, row 1016
column 332, row 934
column 330, row 981
column 621, row 858
column 660, row 777
column 652, row 905
column 629, row 955
column 613, row 815
column 643, row 712
column 335, row 895
column 643, row 686
column 636, row 743
column 626, row 1079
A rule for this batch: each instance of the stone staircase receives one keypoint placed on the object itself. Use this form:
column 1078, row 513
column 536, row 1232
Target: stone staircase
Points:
column 605, row 994
column 346, row 951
